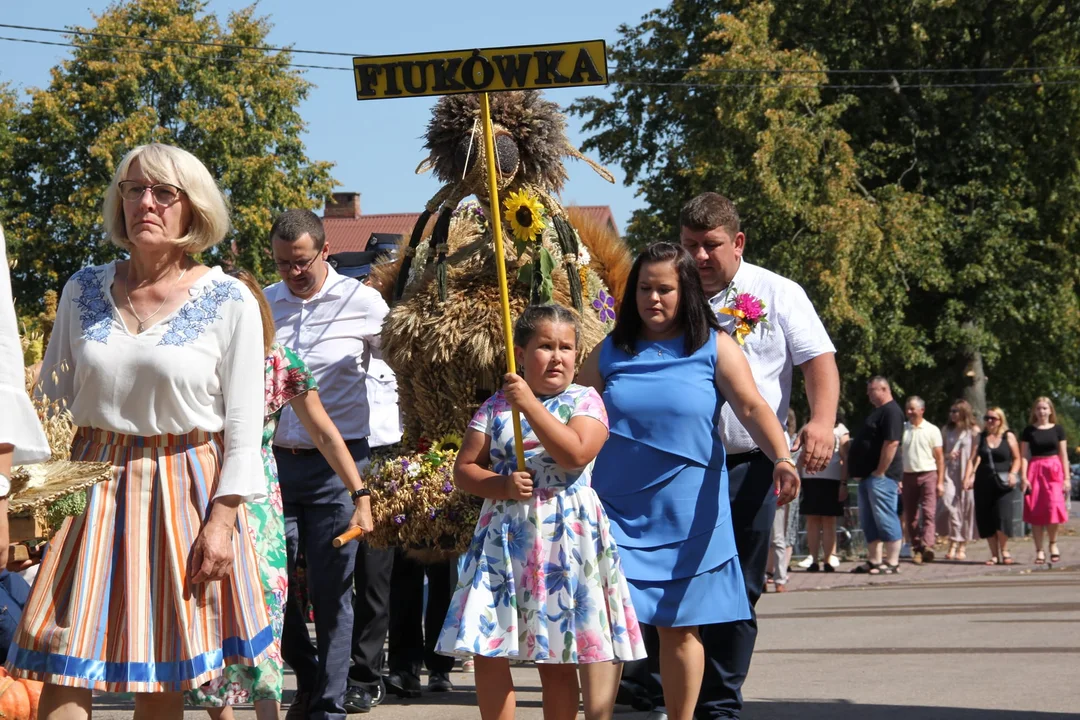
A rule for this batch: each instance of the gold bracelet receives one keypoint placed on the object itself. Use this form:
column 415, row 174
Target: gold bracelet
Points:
column 787, row 460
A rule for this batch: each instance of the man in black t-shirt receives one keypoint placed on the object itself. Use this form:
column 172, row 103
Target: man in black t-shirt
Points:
column 873, row 460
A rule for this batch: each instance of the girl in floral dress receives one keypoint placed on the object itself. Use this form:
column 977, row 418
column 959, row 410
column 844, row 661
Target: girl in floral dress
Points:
column 542, row 580
column 288, row 382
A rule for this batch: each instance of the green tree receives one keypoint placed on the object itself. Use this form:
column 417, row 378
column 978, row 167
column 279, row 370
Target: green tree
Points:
column 234, row 107
column 934, row 227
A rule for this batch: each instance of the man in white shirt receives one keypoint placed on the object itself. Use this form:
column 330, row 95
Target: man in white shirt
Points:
column 792, row 336
column 924, row 478
column 333, row 323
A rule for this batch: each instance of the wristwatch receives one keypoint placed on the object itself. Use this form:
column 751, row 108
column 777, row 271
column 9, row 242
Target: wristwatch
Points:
column 362, row 492
column 5, row 486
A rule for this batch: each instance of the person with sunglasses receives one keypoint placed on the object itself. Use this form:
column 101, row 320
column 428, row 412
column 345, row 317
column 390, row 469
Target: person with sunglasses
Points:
column 993, row 472
column 157, row 358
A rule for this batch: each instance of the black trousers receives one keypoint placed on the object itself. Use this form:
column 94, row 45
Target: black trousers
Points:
column 414, row 630
column 729, row 647
column 371, row 611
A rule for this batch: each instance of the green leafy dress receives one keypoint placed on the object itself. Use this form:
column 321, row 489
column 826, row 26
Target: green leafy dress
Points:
column 286, row 378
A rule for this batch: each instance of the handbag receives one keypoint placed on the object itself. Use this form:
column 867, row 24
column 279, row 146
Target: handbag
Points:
column 1001, row 477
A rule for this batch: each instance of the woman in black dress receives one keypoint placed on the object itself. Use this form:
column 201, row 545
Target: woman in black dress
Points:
column 994, row 465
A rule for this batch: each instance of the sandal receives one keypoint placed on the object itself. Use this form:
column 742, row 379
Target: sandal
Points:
column 1055, row 556
column 887, row 569
column 1040, row 558
column 961, row 554
column 1006, row 560
column 993, row 561
column 866, row 568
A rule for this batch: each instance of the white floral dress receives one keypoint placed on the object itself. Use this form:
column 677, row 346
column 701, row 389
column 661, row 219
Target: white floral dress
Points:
column 542, row 579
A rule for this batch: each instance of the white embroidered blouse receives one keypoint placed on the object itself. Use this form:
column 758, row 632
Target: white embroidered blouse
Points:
column 200, row 368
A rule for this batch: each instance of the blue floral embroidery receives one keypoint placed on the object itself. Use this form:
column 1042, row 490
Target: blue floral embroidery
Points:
column 95, row 312
column 199, row 313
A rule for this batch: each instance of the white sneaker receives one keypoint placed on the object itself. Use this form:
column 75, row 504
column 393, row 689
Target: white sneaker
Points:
column 834, row 561
column 805, row 562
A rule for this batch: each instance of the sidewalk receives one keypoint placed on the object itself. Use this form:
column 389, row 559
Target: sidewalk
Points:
column 1022, row 550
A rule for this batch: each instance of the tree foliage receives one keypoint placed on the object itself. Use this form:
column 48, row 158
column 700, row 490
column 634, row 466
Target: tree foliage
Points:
column 934, row 227
column 234, row 107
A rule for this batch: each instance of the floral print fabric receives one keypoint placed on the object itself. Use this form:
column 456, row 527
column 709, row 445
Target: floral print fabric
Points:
column 542, row 579
column 286, row 378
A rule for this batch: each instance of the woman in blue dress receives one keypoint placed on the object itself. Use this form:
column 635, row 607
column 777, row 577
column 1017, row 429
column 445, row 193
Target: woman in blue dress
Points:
column 664, row 372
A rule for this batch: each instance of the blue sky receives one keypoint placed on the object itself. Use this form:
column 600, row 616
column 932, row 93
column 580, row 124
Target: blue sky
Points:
column 375, row 145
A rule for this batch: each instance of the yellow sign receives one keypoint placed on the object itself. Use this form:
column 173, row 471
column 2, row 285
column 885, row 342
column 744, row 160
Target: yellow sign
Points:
column 467, row 71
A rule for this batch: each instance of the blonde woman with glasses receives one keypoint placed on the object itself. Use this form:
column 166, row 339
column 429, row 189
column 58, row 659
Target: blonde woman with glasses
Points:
column 154, row 589
column 993, row 472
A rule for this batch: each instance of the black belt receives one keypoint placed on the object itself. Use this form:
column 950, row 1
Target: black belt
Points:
column 315, row 451
column 739, row 458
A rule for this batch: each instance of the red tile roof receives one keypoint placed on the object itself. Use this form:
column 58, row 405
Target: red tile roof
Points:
column 352, row 234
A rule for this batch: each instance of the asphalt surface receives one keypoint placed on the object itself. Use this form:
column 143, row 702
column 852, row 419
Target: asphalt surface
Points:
column 945, row 641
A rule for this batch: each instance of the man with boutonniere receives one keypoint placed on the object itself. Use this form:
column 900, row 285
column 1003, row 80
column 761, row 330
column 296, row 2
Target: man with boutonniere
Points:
column 773, row 320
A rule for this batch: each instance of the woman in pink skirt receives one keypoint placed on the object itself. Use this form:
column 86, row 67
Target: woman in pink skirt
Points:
column 1046, row 481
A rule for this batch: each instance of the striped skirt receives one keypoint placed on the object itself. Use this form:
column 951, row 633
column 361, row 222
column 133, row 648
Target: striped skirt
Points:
column 112, row 608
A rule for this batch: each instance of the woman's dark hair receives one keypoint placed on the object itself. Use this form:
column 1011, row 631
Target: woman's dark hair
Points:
column 695, row 318
column 532, row 316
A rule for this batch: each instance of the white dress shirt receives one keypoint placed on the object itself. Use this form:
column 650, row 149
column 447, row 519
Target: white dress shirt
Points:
column 795, row 335
column 335, row 332
column 19, row 424
column 200, row 368
column 382, row 394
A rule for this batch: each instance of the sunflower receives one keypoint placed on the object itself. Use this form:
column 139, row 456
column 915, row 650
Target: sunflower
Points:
column 447, row 443
column 526, row 215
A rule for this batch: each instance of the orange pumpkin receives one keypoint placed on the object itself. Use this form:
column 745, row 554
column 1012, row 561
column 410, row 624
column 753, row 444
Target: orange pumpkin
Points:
column 14, row 702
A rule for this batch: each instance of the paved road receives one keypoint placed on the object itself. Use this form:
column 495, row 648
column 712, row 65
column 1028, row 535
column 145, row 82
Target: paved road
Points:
column 996, row 644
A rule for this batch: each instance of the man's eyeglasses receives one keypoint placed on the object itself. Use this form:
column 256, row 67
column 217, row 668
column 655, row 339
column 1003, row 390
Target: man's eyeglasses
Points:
column 164, row 194
column 285, row 267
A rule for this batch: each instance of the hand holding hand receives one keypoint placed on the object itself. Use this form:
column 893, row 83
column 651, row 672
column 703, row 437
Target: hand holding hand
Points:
column 817, row 443
column 519, row 485
column 517, row 391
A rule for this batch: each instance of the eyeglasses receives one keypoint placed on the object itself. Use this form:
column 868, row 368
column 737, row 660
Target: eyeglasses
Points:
column 284, row 267
column 164, row 194
column 988, row 418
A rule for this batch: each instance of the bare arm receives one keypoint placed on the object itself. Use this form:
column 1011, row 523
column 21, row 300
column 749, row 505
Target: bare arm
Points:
column 736, row 384
column 1063, row 453
column 1025, row 455
column 1014, row 468
column 823, row 392
column 312, row 415
column 589, row 372
column 888, row 452
column 973, row 464
column 7, row 452
column 939, row 460
column 571, row 445
column 471, row 469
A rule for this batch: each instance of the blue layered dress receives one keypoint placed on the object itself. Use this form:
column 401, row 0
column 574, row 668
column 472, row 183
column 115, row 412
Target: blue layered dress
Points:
column 662, row 480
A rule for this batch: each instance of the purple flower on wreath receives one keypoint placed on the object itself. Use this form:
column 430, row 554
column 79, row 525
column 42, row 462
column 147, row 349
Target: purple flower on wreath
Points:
column 447, row 487
column 404, row 464
column 432, row 514
column 399, row 519
column 605, row 305
column 393, row 486
column 416, row 487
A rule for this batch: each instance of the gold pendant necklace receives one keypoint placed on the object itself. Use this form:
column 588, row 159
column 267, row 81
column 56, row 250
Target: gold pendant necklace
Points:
column 142, row 321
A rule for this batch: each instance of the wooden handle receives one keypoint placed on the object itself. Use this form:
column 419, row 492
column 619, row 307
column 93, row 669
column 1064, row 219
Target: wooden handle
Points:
column 18, row 553
column 347, row 536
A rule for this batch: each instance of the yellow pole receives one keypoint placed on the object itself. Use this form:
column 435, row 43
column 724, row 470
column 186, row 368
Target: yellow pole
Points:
column 500, row 262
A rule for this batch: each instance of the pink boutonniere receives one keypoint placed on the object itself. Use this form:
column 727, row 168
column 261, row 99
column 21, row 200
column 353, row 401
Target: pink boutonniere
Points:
column 748, row 311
